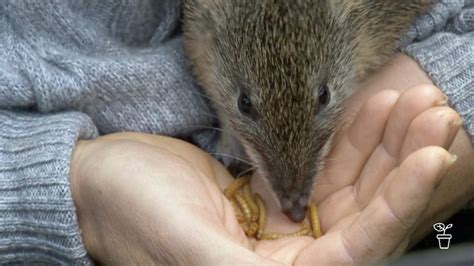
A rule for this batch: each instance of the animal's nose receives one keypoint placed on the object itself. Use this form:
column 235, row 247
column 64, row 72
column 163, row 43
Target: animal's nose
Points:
column 295, row 211
column 296, row 214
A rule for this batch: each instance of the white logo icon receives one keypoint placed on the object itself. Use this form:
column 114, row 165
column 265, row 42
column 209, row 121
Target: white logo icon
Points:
column 443, row 239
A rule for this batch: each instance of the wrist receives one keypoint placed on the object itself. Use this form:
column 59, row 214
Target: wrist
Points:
column 76, row 182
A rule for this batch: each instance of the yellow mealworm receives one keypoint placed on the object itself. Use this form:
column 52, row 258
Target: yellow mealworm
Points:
column 262, row 217
column 301, row 232
column 260, row 233
column 245, row 226
column 240, row 219
column 244, row 206
column 237, row 184
column 273, row 236
column 314, row 220
column 238, row 212
column 252, row 229
column 253, row 206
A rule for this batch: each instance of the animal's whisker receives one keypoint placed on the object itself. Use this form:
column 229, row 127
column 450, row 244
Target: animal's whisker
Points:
column 208, row 114
column 246, row 171
column 204, row 96
column 233, row 157
column 206, row 127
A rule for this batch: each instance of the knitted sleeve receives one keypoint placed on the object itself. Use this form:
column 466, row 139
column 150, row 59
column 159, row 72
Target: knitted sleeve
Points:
column 76, row 68
column 37, row 215
column 442, row 41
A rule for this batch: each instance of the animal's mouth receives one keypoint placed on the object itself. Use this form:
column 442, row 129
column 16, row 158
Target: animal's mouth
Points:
column 295, row 207
column 293, row 204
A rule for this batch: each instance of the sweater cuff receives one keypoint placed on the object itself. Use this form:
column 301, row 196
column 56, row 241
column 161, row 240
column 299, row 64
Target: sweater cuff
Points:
column 448, row 59
column 38, row 223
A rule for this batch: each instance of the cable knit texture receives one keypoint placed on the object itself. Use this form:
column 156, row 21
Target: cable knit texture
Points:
column 74, row 69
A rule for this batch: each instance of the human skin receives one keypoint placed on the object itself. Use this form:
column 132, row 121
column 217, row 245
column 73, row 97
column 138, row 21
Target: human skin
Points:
column 457, row 187
column 150, row 199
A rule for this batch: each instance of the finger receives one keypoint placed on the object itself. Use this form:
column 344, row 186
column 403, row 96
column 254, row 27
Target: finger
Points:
column 386, row 156
column 435, row 127
column 383, row 225
column 389, row 217
column 351, row 152
column 411, row 103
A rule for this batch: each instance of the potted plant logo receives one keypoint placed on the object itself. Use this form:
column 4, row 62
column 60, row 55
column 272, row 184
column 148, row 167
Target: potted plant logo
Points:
column 443, row 239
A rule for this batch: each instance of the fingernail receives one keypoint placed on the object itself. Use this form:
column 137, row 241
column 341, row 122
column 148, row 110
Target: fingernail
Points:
column 452, row 159
column 443, row 102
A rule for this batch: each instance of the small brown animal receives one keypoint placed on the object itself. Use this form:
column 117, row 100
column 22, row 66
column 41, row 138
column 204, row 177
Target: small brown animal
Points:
column 279, row 71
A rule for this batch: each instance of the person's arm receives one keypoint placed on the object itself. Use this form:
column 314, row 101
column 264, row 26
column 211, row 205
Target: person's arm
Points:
column 38, row 221
column 120, row 65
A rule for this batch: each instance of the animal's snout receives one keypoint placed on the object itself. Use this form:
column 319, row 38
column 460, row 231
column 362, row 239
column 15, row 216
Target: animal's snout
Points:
column 295, row 210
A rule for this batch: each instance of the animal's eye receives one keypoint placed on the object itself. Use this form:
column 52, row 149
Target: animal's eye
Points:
column 245, row 104
column 324, row 96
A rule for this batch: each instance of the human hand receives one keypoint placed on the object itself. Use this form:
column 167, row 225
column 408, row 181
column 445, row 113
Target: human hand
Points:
column 457, row 187
column 145, row 199
column 150, row 199
column 378, row 182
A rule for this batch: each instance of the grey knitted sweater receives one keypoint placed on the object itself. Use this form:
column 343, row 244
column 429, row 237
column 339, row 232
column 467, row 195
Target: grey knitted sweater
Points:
column 74, row 69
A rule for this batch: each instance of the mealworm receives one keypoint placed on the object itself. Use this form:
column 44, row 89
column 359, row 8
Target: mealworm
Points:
column 262, row 217
column 238, row 183
column 245, row 226
column 244, row 206
column 273, row 236
column 238, row 212
column 253, row 228
column 314, row 220
column 240, row 219
column 253, row 206
column 302, row 232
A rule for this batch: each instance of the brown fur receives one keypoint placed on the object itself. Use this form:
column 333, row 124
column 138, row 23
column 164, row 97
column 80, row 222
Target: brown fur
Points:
column 280, row 52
